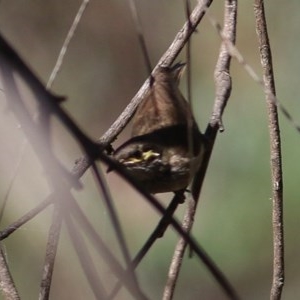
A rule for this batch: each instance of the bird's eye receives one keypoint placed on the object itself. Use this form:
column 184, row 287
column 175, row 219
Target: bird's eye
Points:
column 134, row 158
column 137, row 154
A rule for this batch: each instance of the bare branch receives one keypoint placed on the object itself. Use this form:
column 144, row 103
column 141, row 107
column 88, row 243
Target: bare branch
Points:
column 10, row 61
column 223, row 89
column 176, row 261
column 7, row 285
column 25, row 218
column 157, row 233
column 49, row 84
column 100, row 246
column 139, row 30
column 12, row 180
column 84, row 258
column 66, row 43
column 275, row 150
column 234, row 52
column 116, row 225
column 51, row 250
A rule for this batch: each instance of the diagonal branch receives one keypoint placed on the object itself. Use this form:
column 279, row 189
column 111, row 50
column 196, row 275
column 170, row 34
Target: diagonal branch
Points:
column 66, row 43
column 157, row 233
column 25, row 218
column 101, row 247
column 85, row 258
column 116, row 225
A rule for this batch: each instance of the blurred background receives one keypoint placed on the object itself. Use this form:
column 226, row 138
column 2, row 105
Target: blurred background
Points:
column 102, row 71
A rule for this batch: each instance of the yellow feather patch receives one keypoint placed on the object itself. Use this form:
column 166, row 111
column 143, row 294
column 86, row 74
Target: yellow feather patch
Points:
column 131, row 160
column 149, row 155
column 145, row 156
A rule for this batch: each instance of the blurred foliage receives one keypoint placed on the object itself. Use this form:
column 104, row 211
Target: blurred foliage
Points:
column 102, row 71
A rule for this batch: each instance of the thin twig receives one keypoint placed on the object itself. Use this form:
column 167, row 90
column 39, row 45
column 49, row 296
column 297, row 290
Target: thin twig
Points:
column 188, row 56
column 116, row 225
column 53, row 75
column 7, row 285
column 275, row 151
column 157, row 233
column 13, row 178
column 101, row 247
column 234, row 52
column 223, row 88
column 66, row 43
column 37, row 134
column 140, row 34
column 51, row 250
column 176, row 261
column 25, row 218
column 189, row 82
column 11, row 61
column 55, row 228
column 84, row 258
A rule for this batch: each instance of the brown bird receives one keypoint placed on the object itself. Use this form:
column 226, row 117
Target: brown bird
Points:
column 167, row 146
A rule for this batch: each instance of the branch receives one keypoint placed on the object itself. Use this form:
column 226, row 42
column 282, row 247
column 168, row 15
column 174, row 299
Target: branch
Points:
column 275, row 150
column 223, row 90
column 157, row 233
column 235, row 53
column 176, row 261
column 116, row 224
column 84, row 258
column 25, row 218
column 51, row 250
column 53, row 75
column 48, row 103
column 100, row 246
column 139, row 32
column 7, row 285
column 66, row 43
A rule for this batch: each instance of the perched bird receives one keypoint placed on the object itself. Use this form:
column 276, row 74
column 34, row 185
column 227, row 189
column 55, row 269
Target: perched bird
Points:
column 167, row 146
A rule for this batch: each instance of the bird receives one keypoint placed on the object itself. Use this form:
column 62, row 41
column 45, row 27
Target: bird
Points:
column 166, row 146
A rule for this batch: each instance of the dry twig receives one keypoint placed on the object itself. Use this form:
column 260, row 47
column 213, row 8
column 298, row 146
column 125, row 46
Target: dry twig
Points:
column 66, row 43
column 275, row 150
column 50, row 255
column 223, row 89
column 7, row 285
